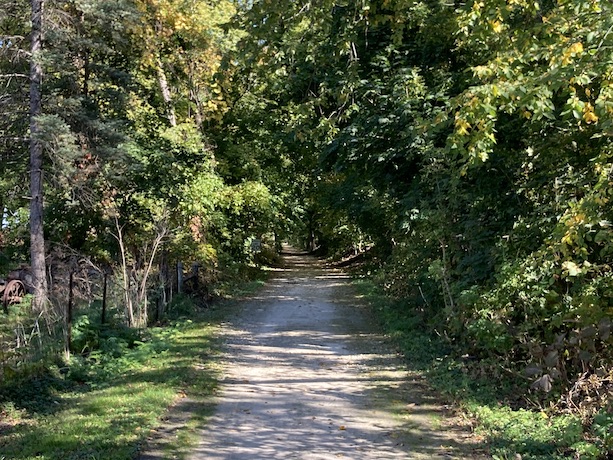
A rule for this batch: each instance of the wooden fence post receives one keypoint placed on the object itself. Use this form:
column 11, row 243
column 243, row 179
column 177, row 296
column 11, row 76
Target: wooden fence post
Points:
column 103, row 314
column 69, row 315
column 179, row 277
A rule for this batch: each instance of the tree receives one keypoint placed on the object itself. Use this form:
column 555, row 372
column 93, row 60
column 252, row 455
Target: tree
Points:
column 470, row 143
column 37, row 235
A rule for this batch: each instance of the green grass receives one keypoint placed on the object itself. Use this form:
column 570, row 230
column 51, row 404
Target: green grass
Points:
column 532, row 434
column 106, row 403
column 105, row 406
column 247, row 288
column 484, row 392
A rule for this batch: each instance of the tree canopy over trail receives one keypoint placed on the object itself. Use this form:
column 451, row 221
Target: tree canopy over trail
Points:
column 467, row 144
column 463, row 146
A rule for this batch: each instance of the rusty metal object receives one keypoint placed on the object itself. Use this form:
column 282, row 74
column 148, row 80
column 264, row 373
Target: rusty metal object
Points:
column 17, row 285
column 12, row 293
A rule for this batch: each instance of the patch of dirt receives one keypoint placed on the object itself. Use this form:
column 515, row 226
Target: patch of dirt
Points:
column 307, row 376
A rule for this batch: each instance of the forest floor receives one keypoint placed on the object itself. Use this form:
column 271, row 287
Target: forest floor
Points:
column 308, row 376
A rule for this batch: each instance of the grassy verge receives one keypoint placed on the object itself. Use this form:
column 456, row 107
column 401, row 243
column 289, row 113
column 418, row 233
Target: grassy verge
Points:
column 104, row 406
column 487, row 397
column 123, row 393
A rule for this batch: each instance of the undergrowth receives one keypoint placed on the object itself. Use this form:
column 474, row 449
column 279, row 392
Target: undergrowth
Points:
column 103, row 404
column 106, row 399
column 514, row 428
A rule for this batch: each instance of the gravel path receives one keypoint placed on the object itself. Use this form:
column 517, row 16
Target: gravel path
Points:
column 307, row 377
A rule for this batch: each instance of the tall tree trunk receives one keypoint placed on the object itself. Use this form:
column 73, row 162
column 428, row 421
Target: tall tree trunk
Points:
column 163, row 82
column 195, row 97
column 37, row 236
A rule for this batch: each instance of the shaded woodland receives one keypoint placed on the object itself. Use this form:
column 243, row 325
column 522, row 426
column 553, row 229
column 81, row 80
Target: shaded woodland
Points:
column 461, row 149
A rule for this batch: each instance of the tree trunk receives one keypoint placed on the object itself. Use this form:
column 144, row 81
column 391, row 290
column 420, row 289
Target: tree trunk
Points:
column 165, row 89
column 195, row 97
column 37, row 236
column 126, row 274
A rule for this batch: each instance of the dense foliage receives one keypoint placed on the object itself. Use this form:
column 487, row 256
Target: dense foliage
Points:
column 465, row 146
column 130, row 108
column 139, row 202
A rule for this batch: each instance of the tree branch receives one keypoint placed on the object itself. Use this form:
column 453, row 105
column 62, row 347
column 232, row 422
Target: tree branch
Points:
column 14, row 75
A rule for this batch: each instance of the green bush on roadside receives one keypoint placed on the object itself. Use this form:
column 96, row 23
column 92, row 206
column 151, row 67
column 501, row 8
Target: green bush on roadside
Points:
column 487, row 394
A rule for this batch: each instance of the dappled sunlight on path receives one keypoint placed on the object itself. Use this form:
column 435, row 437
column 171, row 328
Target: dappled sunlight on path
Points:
column 307, row 378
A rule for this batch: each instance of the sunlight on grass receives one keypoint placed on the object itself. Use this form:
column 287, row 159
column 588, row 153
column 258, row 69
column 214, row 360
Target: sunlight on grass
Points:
column 111, row 417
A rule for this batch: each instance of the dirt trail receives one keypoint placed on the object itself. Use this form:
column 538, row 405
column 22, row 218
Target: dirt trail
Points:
column 307, row 377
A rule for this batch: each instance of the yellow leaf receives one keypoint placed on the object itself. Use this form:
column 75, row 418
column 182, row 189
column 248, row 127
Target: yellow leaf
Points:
column 496, row 26
column 576, row 48
column 462, row 126
column 567, row 239
column 588, row 114
column 590, row 117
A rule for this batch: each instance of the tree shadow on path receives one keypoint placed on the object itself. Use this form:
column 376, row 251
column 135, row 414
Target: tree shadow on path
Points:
column 308, row 376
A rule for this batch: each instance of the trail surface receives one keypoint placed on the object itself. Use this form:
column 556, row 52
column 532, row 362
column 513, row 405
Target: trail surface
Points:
column 307, row 377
